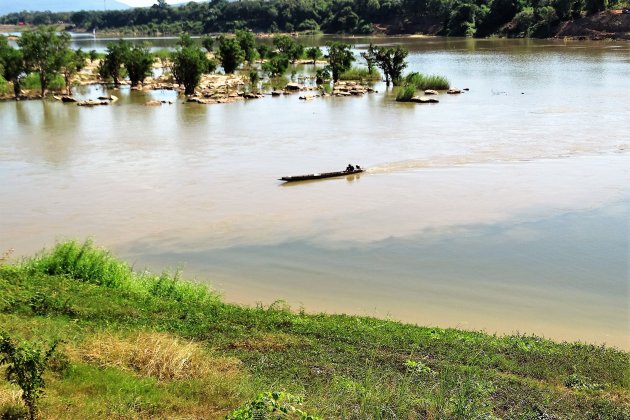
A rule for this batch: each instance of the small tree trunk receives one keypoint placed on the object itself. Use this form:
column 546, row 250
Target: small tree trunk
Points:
column 16, row 88
column 44, row 83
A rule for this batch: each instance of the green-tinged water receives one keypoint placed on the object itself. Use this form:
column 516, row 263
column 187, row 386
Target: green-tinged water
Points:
column 505, row 208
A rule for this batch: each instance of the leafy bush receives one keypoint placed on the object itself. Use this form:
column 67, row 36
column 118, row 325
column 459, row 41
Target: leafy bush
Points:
column 272, row 405
column 26, row 365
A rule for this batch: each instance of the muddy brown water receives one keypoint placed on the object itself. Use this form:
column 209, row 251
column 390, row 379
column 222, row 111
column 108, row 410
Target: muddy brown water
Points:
column 504, row 209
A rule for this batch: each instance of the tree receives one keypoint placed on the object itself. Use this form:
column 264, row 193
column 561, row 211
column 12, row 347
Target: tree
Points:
column 247, row 42
column 189, row 63
column 72, row 63
column 594, row 6
column 392, row 61
column 113, row 61
column 12, row 65
column 231, row 54
column 44, row 51
column 288, row 46
column 340, row 58
column 207, row 42
column 370, row 58
column 138, row 61
column 26, row 365
column 93, row 55
column 314, row 53
column 264, row 51
column 276, row 65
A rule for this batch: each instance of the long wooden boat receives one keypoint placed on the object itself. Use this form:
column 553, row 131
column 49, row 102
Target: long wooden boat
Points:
column 319, row 176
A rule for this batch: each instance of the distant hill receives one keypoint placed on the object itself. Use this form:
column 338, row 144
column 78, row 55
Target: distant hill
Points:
column 10, row 6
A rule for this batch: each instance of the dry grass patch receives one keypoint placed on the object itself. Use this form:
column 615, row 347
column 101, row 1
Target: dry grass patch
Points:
column 158, row 355
column 270, row 341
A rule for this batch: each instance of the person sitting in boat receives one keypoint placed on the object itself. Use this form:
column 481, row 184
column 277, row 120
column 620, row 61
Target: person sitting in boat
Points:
column 357, row 167
column 349, row 168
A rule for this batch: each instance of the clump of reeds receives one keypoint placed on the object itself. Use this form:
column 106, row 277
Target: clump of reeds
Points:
column 405, row 93
column 358, row 73
column 90, row 264
column 421, row 81
column 154, row 354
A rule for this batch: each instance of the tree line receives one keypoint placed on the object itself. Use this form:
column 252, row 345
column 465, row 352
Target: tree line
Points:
column 47, row 53
column 477, row 18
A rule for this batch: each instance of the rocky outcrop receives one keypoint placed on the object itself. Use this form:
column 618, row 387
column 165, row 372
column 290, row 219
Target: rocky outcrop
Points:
column 92, row 102
column 454, row 91
column 424, row 100
column 430, row 92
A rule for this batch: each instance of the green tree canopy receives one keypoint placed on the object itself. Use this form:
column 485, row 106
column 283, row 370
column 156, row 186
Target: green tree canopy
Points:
column 230, row 53
column 72, row 63
column 113, row 61
column 392, row 60
column 12, row 66
column 276, row 65
column 247, row 42
column 340, row 58
column 138, row 61
column 314, row 53
column 44, row 52
column 189, row 63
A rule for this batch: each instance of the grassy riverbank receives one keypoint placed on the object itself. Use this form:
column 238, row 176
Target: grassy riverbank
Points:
column 138, row 345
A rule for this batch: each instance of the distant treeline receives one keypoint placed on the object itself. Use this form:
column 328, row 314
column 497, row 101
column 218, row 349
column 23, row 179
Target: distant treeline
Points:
column 479, row 18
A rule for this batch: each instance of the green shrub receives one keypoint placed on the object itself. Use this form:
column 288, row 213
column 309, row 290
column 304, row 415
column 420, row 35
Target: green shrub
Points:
column 272, row 405
column 405, row 93
column 26, row 364
column 422, row 82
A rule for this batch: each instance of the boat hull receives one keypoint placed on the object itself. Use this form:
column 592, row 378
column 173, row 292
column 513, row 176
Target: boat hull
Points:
column 319, row 176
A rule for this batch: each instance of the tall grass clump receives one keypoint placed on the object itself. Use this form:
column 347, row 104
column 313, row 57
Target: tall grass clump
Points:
column 91, row 264
column 84, row 262
column 405, row 93
column 422, row 81
column 358, row 73
column 5, row 89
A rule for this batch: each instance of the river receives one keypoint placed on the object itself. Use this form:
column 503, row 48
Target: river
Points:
column 504, row 209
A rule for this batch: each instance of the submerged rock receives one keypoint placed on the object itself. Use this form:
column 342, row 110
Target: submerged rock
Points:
column 454, row 91
column 430, row 92
column 92, row 102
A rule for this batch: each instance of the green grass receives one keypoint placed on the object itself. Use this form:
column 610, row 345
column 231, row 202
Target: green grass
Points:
column 5, row 87
column 405, row 93
column 422, row 81
column 341, row 366
column 361, row 74
column 31, row 82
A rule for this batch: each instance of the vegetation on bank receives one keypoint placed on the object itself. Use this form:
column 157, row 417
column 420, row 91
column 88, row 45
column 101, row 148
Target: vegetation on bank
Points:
column 46, row 54
column 478, row 18
column 141, row 345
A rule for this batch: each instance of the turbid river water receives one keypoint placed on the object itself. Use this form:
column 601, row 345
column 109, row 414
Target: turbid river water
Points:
column 504, row 209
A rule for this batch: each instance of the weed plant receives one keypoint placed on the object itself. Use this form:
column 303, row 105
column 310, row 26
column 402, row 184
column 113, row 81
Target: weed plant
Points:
column 360, row 74
column 422, row 82
column 405, row 93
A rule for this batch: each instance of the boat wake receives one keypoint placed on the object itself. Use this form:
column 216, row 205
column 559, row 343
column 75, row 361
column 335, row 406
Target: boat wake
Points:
column 485, row 158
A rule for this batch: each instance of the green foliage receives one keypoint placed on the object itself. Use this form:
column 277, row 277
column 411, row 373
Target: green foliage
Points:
column 272, row 405
column 138, row 62
column 264, row 51
column 247, row 42
column 288, row 46
column 72, row 62
column 93, row 55
column 322, row 75
column 416, row 367
column 189, row 63
column 44, row 52
column 12, row 66
column 314, row 53
column 594, row 6
column 114, row 59
column 422, row 82
column 581, row 383
column 276, row 65
column 207, row 42
column 405, row 93
column 26, row 364
column 359, row 73
column 392, row 60
column 230, row 53
column 370, row 58
column 340, row 58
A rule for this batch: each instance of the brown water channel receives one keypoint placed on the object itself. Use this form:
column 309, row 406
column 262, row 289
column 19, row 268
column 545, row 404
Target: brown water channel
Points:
column 504, row 209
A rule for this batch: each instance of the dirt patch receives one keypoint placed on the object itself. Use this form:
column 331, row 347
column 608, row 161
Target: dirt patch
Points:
column 270, row 341
column 602, row 25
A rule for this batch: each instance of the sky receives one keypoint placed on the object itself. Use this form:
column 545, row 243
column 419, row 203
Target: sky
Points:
column 145, row 3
